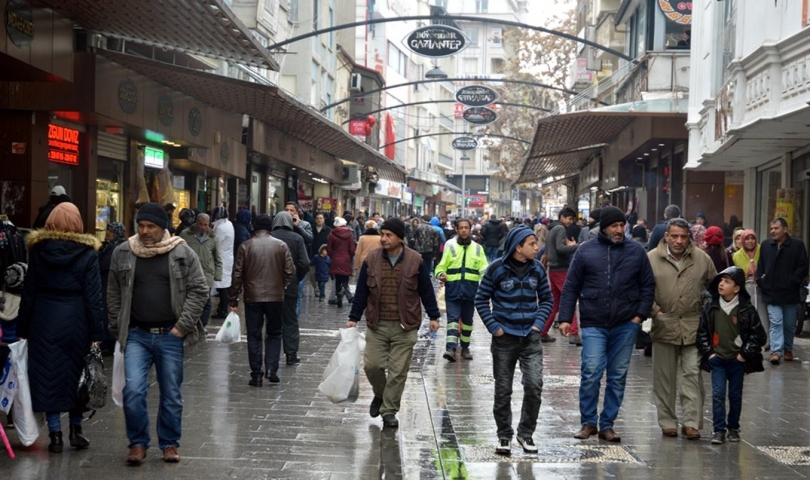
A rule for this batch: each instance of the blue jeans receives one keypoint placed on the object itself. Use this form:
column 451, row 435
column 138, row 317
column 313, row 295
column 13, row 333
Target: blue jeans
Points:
column 322, row 289
column 55, row 422
column 462, row 310
column 783, row 327
column 165, row 351
column 604, row 349
column 300, row 296
column 257, row 315
column 491, row 253
column 731, row 372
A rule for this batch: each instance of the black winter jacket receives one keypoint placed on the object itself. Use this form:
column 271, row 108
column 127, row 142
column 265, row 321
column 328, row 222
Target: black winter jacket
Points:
column 752, row 333
column 613, row 282
column 781, row 270
column 298, row 250
column 493, row 231
column 319, row 239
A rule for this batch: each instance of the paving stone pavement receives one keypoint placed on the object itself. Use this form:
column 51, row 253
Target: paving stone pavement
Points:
column 447, row 431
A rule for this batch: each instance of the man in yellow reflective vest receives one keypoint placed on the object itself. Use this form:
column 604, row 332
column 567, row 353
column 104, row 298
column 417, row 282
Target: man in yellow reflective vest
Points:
column 461, row 269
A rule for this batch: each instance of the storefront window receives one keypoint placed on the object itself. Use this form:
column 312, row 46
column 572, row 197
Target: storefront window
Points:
column 255, row 187
column 275, row 195
column 769, row 182
column 59, row 174
column 108, row 194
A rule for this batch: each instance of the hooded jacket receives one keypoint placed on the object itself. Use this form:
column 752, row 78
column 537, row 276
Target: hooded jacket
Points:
column 613, row 282
column 437, row 225
column 45, row 210
column 60, row 313
column 341, row 247
column 242, row 230
column 781, row 270
column 752, row 333
column 492, row 232
column 206, row 246
column 283, row 230
column 557, row 252
column 519, row 293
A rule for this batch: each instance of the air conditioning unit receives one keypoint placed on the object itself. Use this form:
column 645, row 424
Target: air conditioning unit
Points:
column 351, row 176
column 356, row 83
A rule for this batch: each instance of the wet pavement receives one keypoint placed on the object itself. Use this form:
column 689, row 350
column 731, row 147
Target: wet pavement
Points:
column 447, row 431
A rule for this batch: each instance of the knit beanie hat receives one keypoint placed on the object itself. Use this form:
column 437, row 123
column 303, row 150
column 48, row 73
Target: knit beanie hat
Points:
column 610, row 215
column 714, row 236
column 152, row 212
column 595, row 214
column 263, row 222
column 395, row 226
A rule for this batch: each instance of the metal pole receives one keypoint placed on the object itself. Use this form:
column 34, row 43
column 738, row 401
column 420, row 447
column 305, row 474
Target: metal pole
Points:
column 463, row 187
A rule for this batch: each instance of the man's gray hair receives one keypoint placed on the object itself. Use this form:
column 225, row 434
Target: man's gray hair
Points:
column 672, row 211
column 678, row 222
column 203, row 216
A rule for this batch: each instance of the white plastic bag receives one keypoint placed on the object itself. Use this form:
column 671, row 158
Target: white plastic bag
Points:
column 23, row 413
column 8, row 385
column 341, row 379
column 119, row 378
column 231, row 330
column 646, row 325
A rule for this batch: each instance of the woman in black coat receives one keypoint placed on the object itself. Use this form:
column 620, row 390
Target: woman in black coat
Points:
column 61, row 313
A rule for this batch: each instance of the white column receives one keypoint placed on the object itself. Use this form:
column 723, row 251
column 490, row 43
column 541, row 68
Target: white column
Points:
column 750, row 199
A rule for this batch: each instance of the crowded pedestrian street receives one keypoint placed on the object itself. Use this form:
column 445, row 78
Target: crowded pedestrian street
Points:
column 290, row 430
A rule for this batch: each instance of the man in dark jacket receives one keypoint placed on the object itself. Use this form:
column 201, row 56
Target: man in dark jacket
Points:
column 392, row 287
column 320, row 235
column 492, row 233
column 517, row 288
column 264, row 267
column 660, row 229
column 781, row 271
column 560, row 248
column 283, row 230
column 58, row 195
column 613, row 281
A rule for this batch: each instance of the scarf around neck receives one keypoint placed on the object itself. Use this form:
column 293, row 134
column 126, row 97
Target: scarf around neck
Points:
column 166, row 245
column 728, row 307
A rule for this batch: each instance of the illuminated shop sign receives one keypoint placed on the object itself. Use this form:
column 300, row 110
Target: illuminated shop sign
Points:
column 152, row 157
column 63, row 145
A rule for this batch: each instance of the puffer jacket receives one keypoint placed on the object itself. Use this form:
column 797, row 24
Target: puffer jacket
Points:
column 264, row 267
column 61, row 312
column 613, row 282
column 678, row 293
column 341, row 248
column 752, row 333
column 207, row 249
column 493, row 232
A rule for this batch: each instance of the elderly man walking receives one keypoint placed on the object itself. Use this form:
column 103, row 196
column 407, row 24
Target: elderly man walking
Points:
column 201, row 239
column 612, row 279
column 156, row 292
column 682, row 272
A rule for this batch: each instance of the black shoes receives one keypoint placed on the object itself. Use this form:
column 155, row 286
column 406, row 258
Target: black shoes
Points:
column 57, row 444
column 272, row 377
column 733, row 435
column 77, row 438
column 390, row 421
column 255, row 382
column 465, row 354
column 450, row 355
column 293, row 360
column 546, row 338
column 374, row 409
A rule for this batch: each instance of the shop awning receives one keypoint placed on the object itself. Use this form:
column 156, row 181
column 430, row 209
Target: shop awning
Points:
column 563, row 143
column 269, row 104
column 201, row 27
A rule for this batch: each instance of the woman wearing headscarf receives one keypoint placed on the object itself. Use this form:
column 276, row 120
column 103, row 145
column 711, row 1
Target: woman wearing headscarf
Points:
column 242, row 228
column 736, row 241
column 223, row 230
column 541, row 232
column 187, row 219
column 714, row 248
column 747, row 258
column 115, row 235
column 62, row 312
column 698, row 234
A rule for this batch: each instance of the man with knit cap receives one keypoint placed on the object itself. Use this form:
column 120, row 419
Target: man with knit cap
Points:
column 612, row 279
column 392, row 287
column 156, row 292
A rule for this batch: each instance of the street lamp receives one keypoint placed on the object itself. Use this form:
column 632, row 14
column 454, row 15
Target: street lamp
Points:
column 436, row 73
column 464, row 158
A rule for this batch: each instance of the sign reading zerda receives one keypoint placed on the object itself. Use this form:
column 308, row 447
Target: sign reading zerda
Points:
column 436, row 41
column 480, row 115
column 476, row 96
column 465, row 143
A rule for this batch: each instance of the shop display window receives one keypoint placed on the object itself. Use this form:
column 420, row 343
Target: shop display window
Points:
column 108, row 195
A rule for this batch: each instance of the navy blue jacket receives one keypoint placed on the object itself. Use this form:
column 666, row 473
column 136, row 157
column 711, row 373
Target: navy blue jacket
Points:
column 657, row 234
column 518, row 301
column 613, row 283
column 321, row 265
column 781, row 270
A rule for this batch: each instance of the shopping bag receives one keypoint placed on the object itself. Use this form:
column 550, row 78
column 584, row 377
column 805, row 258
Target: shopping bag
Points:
column 23, row 413
column 341, row 379
column 231, row 330
column 119, row 378
column 8, row 385
column 92, row 394
column 441, row 301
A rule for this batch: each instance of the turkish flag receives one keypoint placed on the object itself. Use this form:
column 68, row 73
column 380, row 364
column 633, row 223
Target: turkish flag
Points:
column 390, row 137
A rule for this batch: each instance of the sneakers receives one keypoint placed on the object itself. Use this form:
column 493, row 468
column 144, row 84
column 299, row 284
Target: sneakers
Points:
column 465, row 354
column 545, row 338
column 374, row 409
column 450, row 355
column 733, row 435
column 504, row 447
column 719, row 438
column 527, row 444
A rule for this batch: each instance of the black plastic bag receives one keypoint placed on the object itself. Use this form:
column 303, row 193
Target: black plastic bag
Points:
column 92, row 394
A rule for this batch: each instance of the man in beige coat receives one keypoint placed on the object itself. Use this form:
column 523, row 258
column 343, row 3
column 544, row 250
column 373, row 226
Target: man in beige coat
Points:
column 682, row 272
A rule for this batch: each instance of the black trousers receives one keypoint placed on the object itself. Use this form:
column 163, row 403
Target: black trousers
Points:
column 258, row 316
column 222, row 308
column 289, row 325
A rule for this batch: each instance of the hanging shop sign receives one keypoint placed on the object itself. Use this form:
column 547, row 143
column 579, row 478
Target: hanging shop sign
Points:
column 480, row 115
column 128, row 96
column 19, row 19
column 436, row 41
column 165, row 110
column 476, row 96
column 359, row 129
column 63, row 145
column 326, row 204
column 153, row 157
column 465, row 143
column 675, row 11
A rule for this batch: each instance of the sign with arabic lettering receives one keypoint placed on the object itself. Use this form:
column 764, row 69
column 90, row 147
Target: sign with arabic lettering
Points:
column 465, row 143
column 436, row 41
column 480, row 115
column 476, row 96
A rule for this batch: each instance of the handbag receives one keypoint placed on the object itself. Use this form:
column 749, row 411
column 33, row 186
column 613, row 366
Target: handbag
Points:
column 92, row 393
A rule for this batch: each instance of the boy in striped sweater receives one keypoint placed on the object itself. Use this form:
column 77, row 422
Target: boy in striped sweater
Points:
column 514, row 301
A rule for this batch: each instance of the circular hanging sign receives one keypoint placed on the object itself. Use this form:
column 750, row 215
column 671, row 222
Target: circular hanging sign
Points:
column 476, row 96
column 19, row 19
column 436, row 41
column 676, row 11
column 166, row 110
column 128, row 96
column 480, row 115
column 195, row 121
column 465, row 143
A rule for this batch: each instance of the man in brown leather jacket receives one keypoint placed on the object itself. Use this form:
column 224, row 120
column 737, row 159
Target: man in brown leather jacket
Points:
column 392, row 286
column 264, row 267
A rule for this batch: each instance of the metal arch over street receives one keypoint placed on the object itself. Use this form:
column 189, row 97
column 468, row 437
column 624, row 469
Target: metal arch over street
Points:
column 506, row 137
column 505, row 104
column 458, row 79
column 463, row 18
